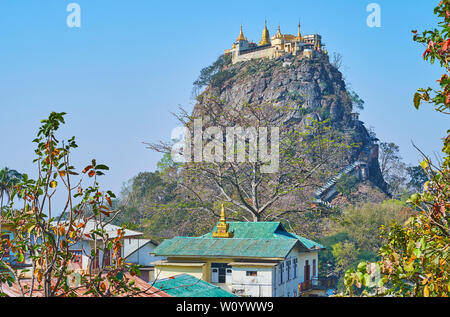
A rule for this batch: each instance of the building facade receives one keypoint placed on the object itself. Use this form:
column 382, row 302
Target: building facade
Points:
column 254, row 259
column 82, row 249
column 278, row 45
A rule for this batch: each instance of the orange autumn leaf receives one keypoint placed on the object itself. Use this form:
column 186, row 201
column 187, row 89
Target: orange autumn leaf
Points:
column 109, row 200
column 87, row 168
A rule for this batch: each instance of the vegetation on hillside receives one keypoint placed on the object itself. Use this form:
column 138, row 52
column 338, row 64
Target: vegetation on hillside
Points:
column 415, row 259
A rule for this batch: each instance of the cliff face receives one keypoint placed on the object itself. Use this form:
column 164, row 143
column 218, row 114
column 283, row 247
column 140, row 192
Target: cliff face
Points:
column 303, row 88
column 309, row 86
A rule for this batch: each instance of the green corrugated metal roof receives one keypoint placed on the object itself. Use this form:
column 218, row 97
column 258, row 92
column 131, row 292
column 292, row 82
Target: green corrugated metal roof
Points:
column 186, row 285
column 309, row 243
column 265, row 248
column 251, row 239
column 251, row 230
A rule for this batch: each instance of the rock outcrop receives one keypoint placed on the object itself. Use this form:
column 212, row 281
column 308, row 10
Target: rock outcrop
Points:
column 305, row 88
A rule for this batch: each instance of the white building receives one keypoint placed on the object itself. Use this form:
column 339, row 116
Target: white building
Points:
column 257, row 259
column 83, row 259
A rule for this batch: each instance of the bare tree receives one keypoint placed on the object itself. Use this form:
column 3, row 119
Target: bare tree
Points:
column 337, row 60
column 307, row 155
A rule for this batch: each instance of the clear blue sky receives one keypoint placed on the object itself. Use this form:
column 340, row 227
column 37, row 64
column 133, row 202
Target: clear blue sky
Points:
column 133, row 62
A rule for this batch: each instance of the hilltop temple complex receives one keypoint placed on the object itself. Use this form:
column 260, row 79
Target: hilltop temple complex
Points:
column 276, row 46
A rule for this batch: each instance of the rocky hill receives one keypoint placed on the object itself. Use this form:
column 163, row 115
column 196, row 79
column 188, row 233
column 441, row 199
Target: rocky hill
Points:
column 303, row 88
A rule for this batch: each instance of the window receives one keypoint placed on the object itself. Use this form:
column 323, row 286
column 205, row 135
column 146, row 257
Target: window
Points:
column 252, row 273
column 288, row 268
column 295, row 267
column 218, row 272
column 307, row 271
column 281, row 272
column 77, row 257
column 106, row 258
column 314, row 268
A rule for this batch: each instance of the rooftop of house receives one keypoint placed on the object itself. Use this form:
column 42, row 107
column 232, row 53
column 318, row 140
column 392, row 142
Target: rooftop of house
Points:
column 132, row 245
column 250, row 240
column 14, row 290
column 185, row 285
column 111, row 230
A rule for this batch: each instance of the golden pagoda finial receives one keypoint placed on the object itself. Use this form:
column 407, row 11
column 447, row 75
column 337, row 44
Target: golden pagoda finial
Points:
column 299, row 35
column 278, row 35
column 241, row 36
column 223, row 227
column 265, row 35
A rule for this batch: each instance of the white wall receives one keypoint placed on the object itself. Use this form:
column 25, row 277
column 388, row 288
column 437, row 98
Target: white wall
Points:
column 142, row 255
column 86, row 246
column 254, row 286
column 289, row 288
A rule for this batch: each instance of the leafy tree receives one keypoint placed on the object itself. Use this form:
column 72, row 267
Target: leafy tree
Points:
column 437, row 49
column 356, row 235
column 166, row 163
column 8, row 179
column 345, row 254
column 145, row 192
column 362, row 223
column 347, row 184
column 358, row 103
column 213, row 72
column 45, row 239
column 417, row 178
column 415, row 259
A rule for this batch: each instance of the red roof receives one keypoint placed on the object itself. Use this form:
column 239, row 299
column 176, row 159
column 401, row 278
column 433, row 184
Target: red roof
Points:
column 146, row 288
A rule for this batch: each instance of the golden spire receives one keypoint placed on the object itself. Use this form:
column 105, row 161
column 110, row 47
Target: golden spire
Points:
column 241, row 36
column 299, row 35
column 223, row 227
column 278, row 35
column 265, row 35
column 316, row 43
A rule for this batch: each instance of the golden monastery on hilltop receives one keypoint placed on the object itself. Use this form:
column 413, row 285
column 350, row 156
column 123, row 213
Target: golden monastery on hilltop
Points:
column 278, row 45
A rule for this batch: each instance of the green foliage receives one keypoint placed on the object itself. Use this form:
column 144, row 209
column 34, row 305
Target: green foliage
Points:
column 415, row 258
column 347, row 184
column 219, row 79
column 45, row 240
column 356, row 236
column 166, row 163
column 214, row 74
column 8, row 179
column 437, row 47
column 417, row 178
column 357, row 102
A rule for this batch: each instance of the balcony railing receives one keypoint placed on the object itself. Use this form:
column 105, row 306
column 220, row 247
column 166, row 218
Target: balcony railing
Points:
column 316, row 284
column 305, row 286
